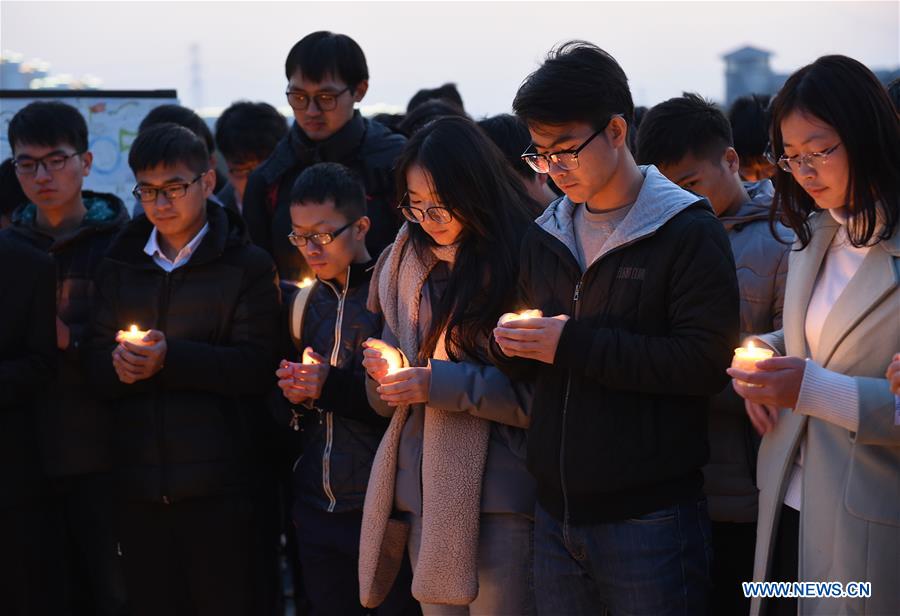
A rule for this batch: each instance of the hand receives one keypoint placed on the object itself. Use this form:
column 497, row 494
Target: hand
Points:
column 762, row 416
column 138, row 362
column 778, row 380
column 63, row 335
column 531, row 338
column 378, row 357
column 288, row 386
column 893, row 375
column 406, row 386
column 309, row 378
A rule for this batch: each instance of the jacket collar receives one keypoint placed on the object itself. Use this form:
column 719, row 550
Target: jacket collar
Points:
column 104, row 211
column 359, row 274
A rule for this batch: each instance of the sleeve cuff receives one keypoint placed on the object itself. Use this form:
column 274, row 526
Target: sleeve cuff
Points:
column 830, row 396
column 574, row 346
column 447, row 382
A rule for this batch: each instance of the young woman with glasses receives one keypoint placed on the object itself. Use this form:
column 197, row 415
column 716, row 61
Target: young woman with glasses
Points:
column 830, row 459
column 451, row 465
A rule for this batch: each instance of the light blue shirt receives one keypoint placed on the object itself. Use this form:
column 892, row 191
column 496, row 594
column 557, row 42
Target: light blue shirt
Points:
column 184, row 255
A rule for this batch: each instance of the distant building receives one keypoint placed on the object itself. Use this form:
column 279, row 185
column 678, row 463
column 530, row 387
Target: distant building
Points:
column 747, row 71
column 35, row 75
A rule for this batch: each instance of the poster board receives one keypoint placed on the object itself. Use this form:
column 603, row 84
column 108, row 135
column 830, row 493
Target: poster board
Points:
column 112, row 118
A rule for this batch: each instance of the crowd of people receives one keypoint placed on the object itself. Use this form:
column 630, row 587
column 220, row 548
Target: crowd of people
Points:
column 446, row 366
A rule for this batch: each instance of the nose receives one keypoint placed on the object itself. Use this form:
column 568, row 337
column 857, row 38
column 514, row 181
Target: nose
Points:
column 313, row 108
column 42, row 174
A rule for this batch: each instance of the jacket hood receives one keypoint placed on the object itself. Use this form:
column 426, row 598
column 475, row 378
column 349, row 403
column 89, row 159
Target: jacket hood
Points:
column 761, row 194
column 658, row 201
column 226, row 229
column 104, row 211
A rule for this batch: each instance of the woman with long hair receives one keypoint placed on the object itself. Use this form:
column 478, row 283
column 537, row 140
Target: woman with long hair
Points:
column 451, row 466
column 829, row 464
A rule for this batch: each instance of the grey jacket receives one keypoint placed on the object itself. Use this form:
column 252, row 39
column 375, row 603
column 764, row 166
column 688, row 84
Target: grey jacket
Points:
column 762, row 263
column 482, row 391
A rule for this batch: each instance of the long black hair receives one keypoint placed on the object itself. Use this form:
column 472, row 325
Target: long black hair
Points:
column 472, row 179
column 848, row 97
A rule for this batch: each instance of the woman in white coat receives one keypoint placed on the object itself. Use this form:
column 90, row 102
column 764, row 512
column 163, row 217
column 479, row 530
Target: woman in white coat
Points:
column 829, row 464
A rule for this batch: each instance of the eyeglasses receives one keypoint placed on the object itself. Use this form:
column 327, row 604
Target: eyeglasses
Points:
column 812, row 160
column 51, row 162
column 567, row 160
column 438, row 214
column 319, row 239
column 242, row 172
column 149, row 194
column 325, row 101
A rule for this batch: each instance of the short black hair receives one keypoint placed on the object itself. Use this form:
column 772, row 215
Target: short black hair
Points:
column 321, row 53
column 249, row 131
column 182, row 116
column 749, row 118
column 511, row 135
column 331, row 182
column 578, row 82
column 893, row 90
column 48, row 123
column 446, row 92
column 681, row 126
column 428, row 112
column 168, row 144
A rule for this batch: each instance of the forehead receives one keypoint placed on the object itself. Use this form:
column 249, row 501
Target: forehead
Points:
column 314, row 213
column 799, row 127
column 690, row 163
column 328, row 82
column 36, row 151
column 162, row 174
column 419, row 181
column 547, row 135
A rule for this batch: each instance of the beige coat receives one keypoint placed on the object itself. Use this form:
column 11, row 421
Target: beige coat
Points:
column 850, row 518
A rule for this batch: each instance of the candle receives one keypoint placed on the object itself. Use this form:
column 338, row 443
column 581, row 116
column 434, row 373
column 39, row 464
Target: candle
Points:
column 393, row 360
column 524, row 314
column 745, row 359
column 308, row 359
column 132, row 335
column 306, row 282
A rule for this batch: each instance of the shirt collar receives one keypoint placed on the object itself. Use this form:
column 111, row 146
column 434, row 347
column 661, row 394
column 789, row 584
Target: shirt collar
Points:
column 184, row 255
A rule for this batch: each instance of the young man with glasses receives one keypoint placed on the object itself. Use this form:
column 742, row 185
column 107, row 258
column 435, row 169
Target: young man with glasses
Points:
column 690, row 140
column 636, row 282
column 327, row 75
column 185, row 273
column 49, row 140
column 323, row 389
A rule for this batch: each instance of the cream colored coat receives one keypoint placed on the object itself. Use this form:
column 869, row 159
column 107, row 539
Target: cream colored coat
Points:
column 850, row 518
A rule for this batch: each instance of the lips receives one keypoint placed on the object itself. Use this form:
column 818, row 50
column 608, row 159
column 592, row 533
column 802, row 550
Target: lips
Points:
column 46, row 191
column 815, row 191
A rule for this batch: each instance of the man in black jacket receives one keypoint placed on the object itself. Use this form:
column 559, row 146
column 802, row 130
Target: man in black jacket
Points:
column 186, row 272
column 27, row 363
column 74, row 226
column 323, row 389
column 327, row 75
column 636, row 280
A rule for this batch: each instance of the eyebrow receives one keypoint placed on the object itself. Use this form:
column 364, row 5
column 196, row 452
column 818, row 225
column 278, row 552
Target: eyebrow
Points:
column 562, row 138
column 813, row 138
column 684, row 177
column 175, row 180
column 321, row 222
column 54, row 152
column 328, row 90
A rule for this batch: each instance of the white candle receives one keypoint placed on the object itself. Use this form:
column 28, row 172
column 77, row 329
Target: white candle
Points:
column 524, row 314
column 308, row 359
column 745, row 359
column 132, row 335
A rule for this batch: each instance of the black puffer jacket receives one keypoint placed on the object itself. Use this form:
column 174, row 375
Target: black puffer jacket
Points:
column 73, row 425
column 27, row 362
column 341, row 431
column 619, row 422
column 185, row 433
column 366, row 147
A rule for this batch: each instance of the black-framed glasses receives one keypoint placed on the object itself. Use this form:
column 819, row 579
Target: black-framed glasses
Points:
column 325, row 101
column 567, row 160
column 149, row 194
column 789, row 164
column 319, row 239
column 54, row 161
column 435, row 213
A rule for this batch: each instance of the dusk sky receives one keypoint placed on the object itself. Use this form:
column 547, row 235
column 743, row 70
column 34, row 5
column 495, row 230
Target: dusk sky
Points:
column 486, row 48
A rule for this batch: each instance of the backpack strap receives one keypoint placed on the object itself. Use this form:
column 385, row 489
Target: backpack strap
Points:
column 298, row 310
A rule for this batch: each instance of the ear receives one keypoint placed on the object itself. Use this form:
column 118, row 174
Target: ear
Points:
column 360, row 91
column 732, row 160
column 87, row 159
column 361, row 227
column 618, row 131
column 208, row 182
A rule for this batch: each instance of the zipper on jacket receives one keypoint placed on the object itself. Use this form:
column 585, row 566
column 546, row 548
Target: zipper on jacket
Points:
column 562, row 438
column 329, row 417
column 160, row 407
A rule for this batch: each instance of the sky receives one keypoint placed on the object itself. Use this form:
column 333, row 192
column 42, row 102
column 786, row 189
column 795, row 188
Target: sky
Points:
column 487, row 48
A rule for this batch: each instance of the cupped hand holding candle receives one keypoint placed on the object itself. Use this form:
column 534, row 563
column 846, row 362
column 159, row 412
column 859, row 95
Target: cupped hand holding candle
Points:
column 132, row 335
column 518, row 316
column 745, row 359
column 380, row 359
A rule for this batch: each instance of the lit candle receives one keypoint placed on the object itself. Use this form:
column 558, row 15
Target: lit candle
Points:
column 524, row 314
column 745, row 359
column 132, row 335
column 308, row 359
column 306, row 282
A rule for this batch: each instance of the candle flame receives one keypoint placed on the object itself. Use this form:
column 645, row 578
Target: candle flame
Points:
column 306, row 282
column 308, row 359
column 750, row 345
column 133, row 329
